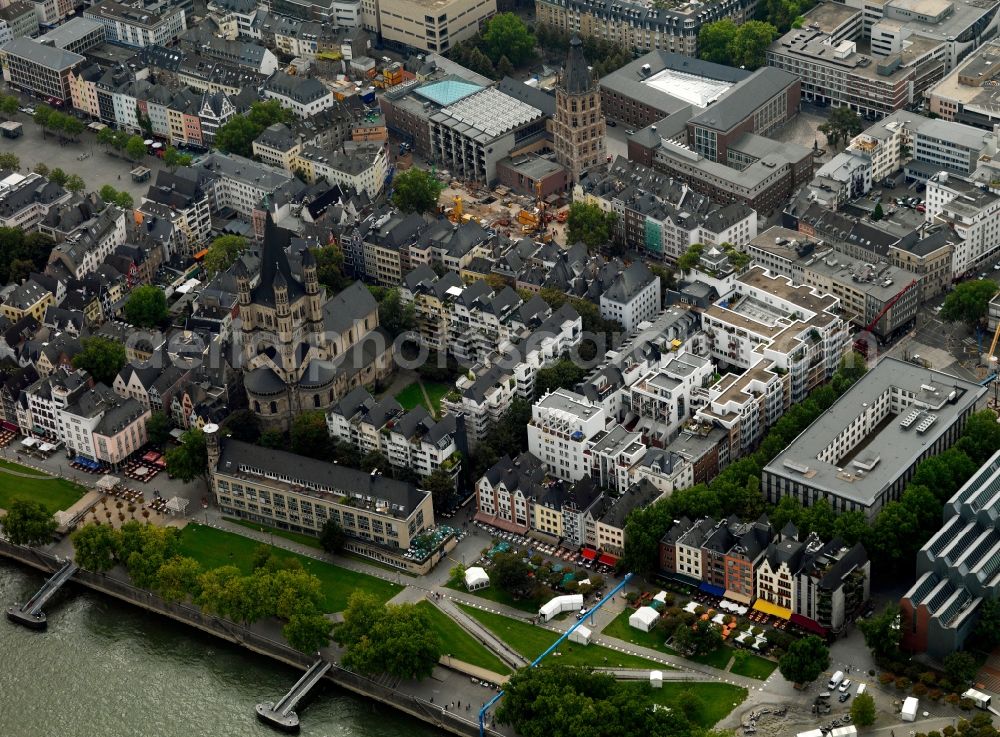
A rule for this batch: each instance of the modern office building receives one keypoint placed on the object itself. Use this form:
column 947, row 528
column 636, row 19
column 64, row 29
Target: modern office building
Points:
column 430, row 25
column 860, row 453
column 17, row 19
column 562, row 424
column 135, row 25
column 43, row 70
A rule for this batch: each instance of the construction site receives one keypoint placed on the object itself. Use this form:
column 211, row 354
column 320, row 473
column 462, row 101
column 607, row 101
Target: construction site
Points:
column 506, row 212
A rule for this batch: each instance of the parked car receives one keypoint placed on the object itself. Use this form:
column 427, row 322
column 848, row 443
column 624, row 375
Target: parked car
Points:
column 612, row 124
column 629, row 131
column 844, row 685
column 843, row 697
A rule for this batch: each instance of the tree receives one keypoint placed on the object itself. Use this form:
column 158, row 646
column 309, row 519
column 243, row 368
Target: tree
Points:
column 41, row 169
column 748, row 47
column 189, row 460
column 330, row 267
column 852, row 527
column 273, row 439
column 981, row 437
column 863, row 710
column 504, row 67
column 395, row 639
column 223, row 252
column 415, row 190
column 178, row 578
column 895, row 537
column 332, row 537
column 158, row 428
column 101, row 358
column 842, row 123
column 75, row 184
column 986, row 633
column 395, row 315
column 506, row 35
column 71, row 127
column 644, row 528
column 564, row 374
column 28, row 523
column 112, row 196
column 308, row 633
column 690, row 258
column 877, row 214
column 237, row 135
column 882, row 633
column 821, row 519
column 805, row 659
column 695, row 502
column 9, row 106
column 106, row 136
column 95, row 547
column 441, row 486
column 41, row 117
column 590, row 225
column 511, row 573
column 20, row 269
column 714, row 40
column 174, row 158
column 968, row 302
column 58, row 176
column 135, row 148
column 310, row 436
column 960, row 667
column 9, row 161
column 146, row 307
column 243, row 425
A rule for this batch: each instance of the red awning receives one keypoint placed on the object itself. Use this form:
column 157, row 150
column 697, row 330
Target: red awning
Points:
column 10, row 426
column 588, row 553
column 608, row 560
column 808, row 624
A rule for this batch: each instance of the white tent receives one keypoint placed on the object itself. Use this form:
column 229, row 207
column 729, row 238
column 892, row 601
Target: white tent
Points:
column 811, row 733
column 560, row 604
column 177, row 505
column 476, row 578
column 29, row 442
column 581, row 635
column 644, row 618
column 656, row 678
column 910, row 707
column 661, row 597
column 719, row 619
column 690, row 607
column 106, row 482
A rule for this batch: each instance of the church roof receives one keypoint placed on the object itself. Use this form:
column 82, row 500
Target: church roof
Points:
column 274, row 268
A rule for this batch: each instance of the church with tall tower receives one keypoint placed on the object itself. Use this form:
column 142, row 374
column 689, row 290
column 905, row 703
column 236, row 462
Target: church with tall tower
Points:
column 302, row 350
column 578, row 127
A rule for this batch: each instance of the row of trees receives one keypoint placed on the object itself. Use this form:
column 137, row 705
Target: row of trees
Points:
column 9, row 161
column 784, row 14
column 565, row 701
column 277, row 587
column 21, row 253
column 590, row 225
column 603, row 56
column 744, row 45
column 737, row 489
column 67, row 127
column 240, row 131
column 504, row 43
column 72, row 182
column 132, row 146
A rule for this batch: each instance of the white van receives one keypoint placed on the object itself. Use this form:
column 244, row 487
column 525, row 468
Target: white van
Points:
column 835, row 681
column 861, row 689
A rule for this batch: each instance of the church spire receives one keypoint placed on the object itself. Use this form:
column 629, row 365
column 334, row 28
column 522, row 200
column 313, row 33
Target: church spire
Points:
column 577, row 79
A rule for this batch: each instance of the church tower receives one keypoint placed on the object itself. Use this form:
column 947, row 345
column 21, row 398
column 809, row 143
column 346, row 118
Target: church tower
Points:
column 579, row 125
column 310, row 279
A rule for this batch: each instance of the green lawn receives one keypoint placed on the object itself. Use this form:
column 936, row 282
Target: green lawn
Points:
column 213, row 548
column 620, row 629
column 498, row 595
column 411, row 396
column 717, row 699
column 754, row 667
column 55, row 493
column 531, row 641
column 458, row 643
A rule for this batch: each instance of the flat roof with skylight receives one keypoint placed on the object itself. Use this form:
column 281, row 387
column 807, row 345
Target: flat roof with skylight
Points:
column 691, row 88
column 866, row 445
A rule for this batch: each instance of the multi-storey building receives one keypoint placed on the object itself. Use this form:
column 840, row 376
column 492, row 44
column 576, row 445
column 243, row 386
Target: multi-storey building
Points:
column 362, row 167
column 134, row 25
column 305, row 96
column 635, row 25
column 668, row 396
column 39, row 406
column 380, row 516
column 427, row 26
column 607, row 532
column 578, row 126
column 17, row 19
column 562, row 427
column 897, row 410
column 99, row 425
column 43, row 70
column 972, row 213
column 86, row 246
column 633, row 298
column 242, row 184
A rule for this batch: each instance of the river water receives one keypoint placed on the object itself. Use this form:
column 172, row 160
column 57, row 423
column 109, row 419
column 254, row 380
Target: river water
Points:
column 104, row 669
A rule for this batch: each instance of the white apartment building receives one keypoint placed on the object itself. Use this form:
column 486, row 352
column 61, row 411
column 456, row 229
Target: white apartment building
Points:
column 361, row 166
column 562, row 425
column 973, row 213
column 88, row 246
column 612, row 453
column 135, row 26
column 633, row 298
column 305, row 96
column 25, row 199
column 40, row 405
column 242, row 183
column 668, row 396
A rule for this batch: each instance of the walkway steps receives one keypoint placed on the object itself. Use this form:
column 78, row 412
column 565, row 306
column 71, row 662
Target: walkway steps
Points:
column 282, row 714
column 30, row 614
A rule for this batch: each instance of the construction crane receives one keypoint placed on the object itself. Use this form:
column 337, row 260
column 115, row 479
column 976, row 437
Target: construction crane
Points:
column 860, row 345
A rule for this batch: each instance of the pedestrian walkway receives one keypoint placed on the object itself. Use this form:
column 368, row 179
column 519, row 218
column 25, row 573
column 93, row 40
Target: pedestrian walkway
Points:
column 485, row 637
